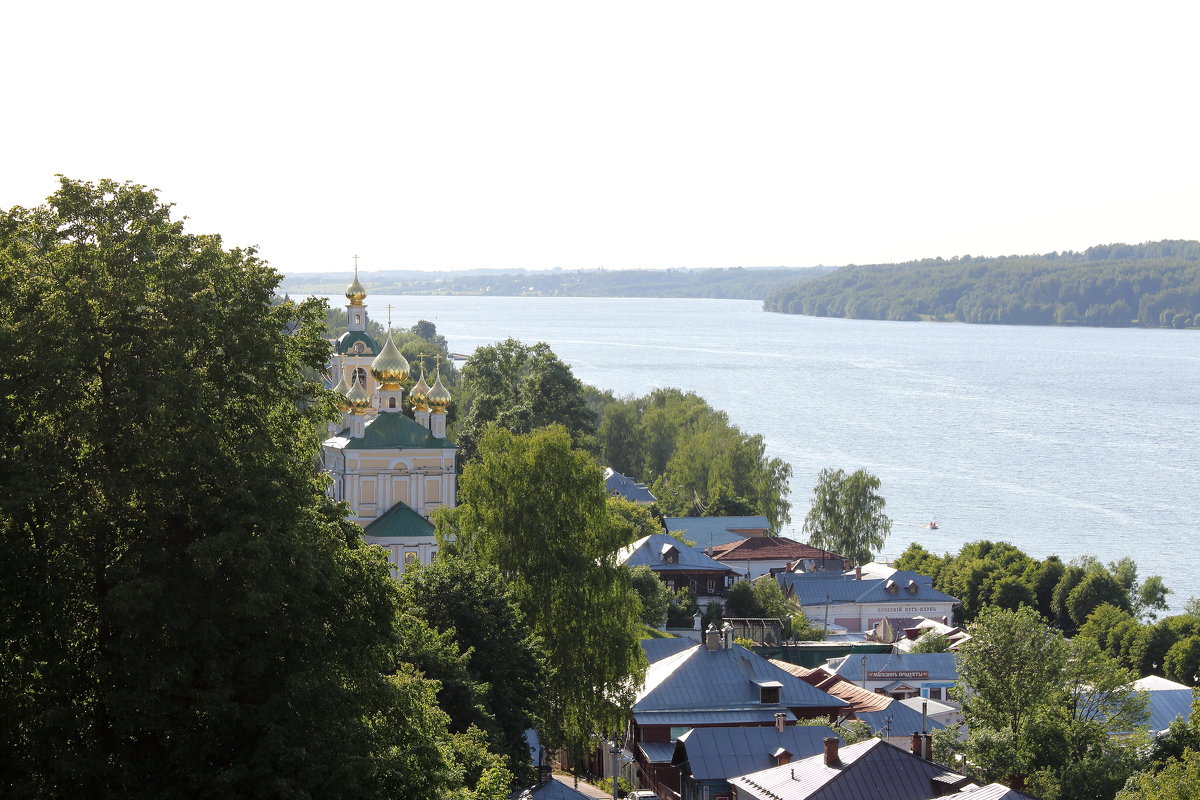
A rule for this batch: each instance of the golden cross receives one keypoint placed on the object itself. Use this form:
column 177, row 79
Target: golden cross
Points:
column 356, row 263
column 389, row 310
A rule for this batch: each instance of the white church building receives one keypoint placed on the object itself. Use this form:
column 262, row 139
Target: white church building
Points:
column 391, row 468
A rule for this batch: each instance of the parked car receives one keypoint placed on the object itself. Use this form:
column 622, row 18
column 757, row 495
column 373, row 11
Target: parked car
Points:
column 641, row 794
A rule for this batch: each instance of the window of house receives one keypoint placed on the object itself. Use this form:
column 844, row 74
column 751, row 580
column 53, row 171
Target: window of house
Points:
column 935, row 694
column 712, row 585
column 768, row 694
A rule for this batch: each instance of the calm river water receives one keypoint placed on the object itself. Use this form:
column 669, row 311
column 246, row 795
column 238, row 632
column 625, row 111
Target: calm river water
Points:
column 1059, row 440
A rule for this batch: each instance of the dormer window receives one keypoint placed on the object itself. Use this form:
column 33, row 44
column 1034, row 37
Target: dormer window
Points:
column 781, row 756
column 768, row 692
column 890, row 587
column 670, row 554
column 912, row 587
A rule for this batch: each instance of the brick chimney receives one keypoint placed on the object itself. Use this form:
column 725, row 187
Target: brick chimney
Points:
column 915, row 745
column 712, row 638
column 831, row 752
column 927, row 740
column 780, row 719
column 858, row 573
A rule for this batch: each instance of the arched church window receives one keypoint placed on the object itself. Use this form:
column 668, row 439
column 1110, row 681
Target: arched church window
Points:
column 358, row 319
column 391, row 402
column 360, row 373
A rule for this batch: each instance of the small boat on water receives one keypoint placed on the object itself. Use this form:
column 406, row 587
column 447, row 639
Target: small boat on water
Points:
column 933, row 526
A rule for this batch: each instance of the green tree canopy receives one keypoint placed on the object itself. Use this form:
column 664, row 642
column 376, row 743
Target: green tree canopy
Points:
column 520, row 388
column 847, row 515
column 534, row 506
column 186, row 613
column 503, row 668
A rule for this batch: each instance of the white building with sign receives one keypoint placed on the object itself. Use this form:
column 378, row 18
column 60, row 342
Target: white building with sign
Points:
column 899, row 675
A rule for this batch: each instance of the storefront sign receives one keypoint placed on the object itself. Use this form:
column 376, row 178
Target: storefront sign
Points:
column 897, row 674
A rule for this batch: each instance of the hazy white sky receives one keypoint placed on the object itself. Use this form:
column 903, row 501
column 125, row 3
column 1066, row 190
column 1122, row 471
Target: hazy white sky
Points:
column 445, row 135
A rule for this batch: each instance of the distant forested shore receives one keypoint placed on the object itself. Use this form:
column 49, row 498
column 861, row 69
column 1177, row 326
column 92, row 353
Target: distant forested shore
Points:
column 1153, row 285
column 734, row 283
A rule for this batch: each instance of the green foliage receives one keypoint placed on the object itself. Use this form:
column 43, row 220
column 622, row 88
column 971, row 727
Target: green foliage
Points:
column 534, row 507
column 1042, row 711
column 630, row 521
column 696, row 462
column 1179, row 780
column 847, row 515
column 932, row 642
column 1182, row 662
column 921, row 561
column 1156, row 284
column 185, row 613
column 496, row 684
column 519, row 388
column 1096, row 589
column 653, row 593
column 681, row 612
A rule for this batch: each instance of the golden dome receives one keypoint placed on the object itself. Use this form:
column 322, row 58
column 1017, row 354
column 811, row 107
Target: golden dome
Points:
column 419, row 394
column 356, row 292
column 342, row 387
column 390, row 367
column 358, row 397
column 439, row 397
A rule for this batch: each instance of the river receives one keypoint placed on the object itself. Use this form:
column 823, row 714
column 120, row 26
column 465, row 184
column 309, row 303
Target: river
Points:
column 1059, row 440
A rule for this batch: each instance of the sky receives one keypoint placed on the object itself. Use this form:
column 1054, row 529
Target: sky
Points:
column 455, row 135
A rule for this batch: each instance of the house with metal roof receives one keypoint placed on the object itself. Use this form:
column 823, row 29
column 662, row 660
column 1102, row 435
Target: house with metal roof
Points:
column 869, row 769
column 859, row 603
column 1167, row 701
column 391, row 468
column 717, row 683
column 899, row 675
column 707, row 532
column 658, row 649
column 755, row 556
column 679, row 566
column 617, row 484
column 708, row 757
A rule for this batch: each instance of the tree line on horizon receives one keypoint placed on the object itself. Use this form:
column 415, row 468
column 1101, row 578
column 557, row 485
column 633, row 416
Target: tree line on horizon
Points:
column 727, row 283
column 1151, row 285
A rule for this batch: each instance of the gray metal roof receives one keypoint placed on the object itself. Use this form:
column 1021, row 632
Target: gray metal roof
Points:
column 699, row 679
column 812, row 588
column 869, row 769
column 712, row 531
column 658, row 649
column 649, row 550
column 897, row 717
column 657, row 752
column 939, row 666
column 1167, row 705
column 722, row 753
column 626, row 487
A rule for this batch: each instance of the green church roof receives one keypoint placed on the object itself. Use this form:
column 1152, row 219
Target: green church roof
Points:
column 400, row 520
column 347, row 340
column 393, row 430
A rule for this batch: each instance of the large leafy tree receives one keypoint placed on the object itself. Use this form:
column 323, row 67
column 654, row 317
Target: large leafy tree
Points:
column 696, row 460
column 502, row 661
column 847, row 514
column 520, row 388
column 185, row 614
column 534, row 507
column 1042, row 711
